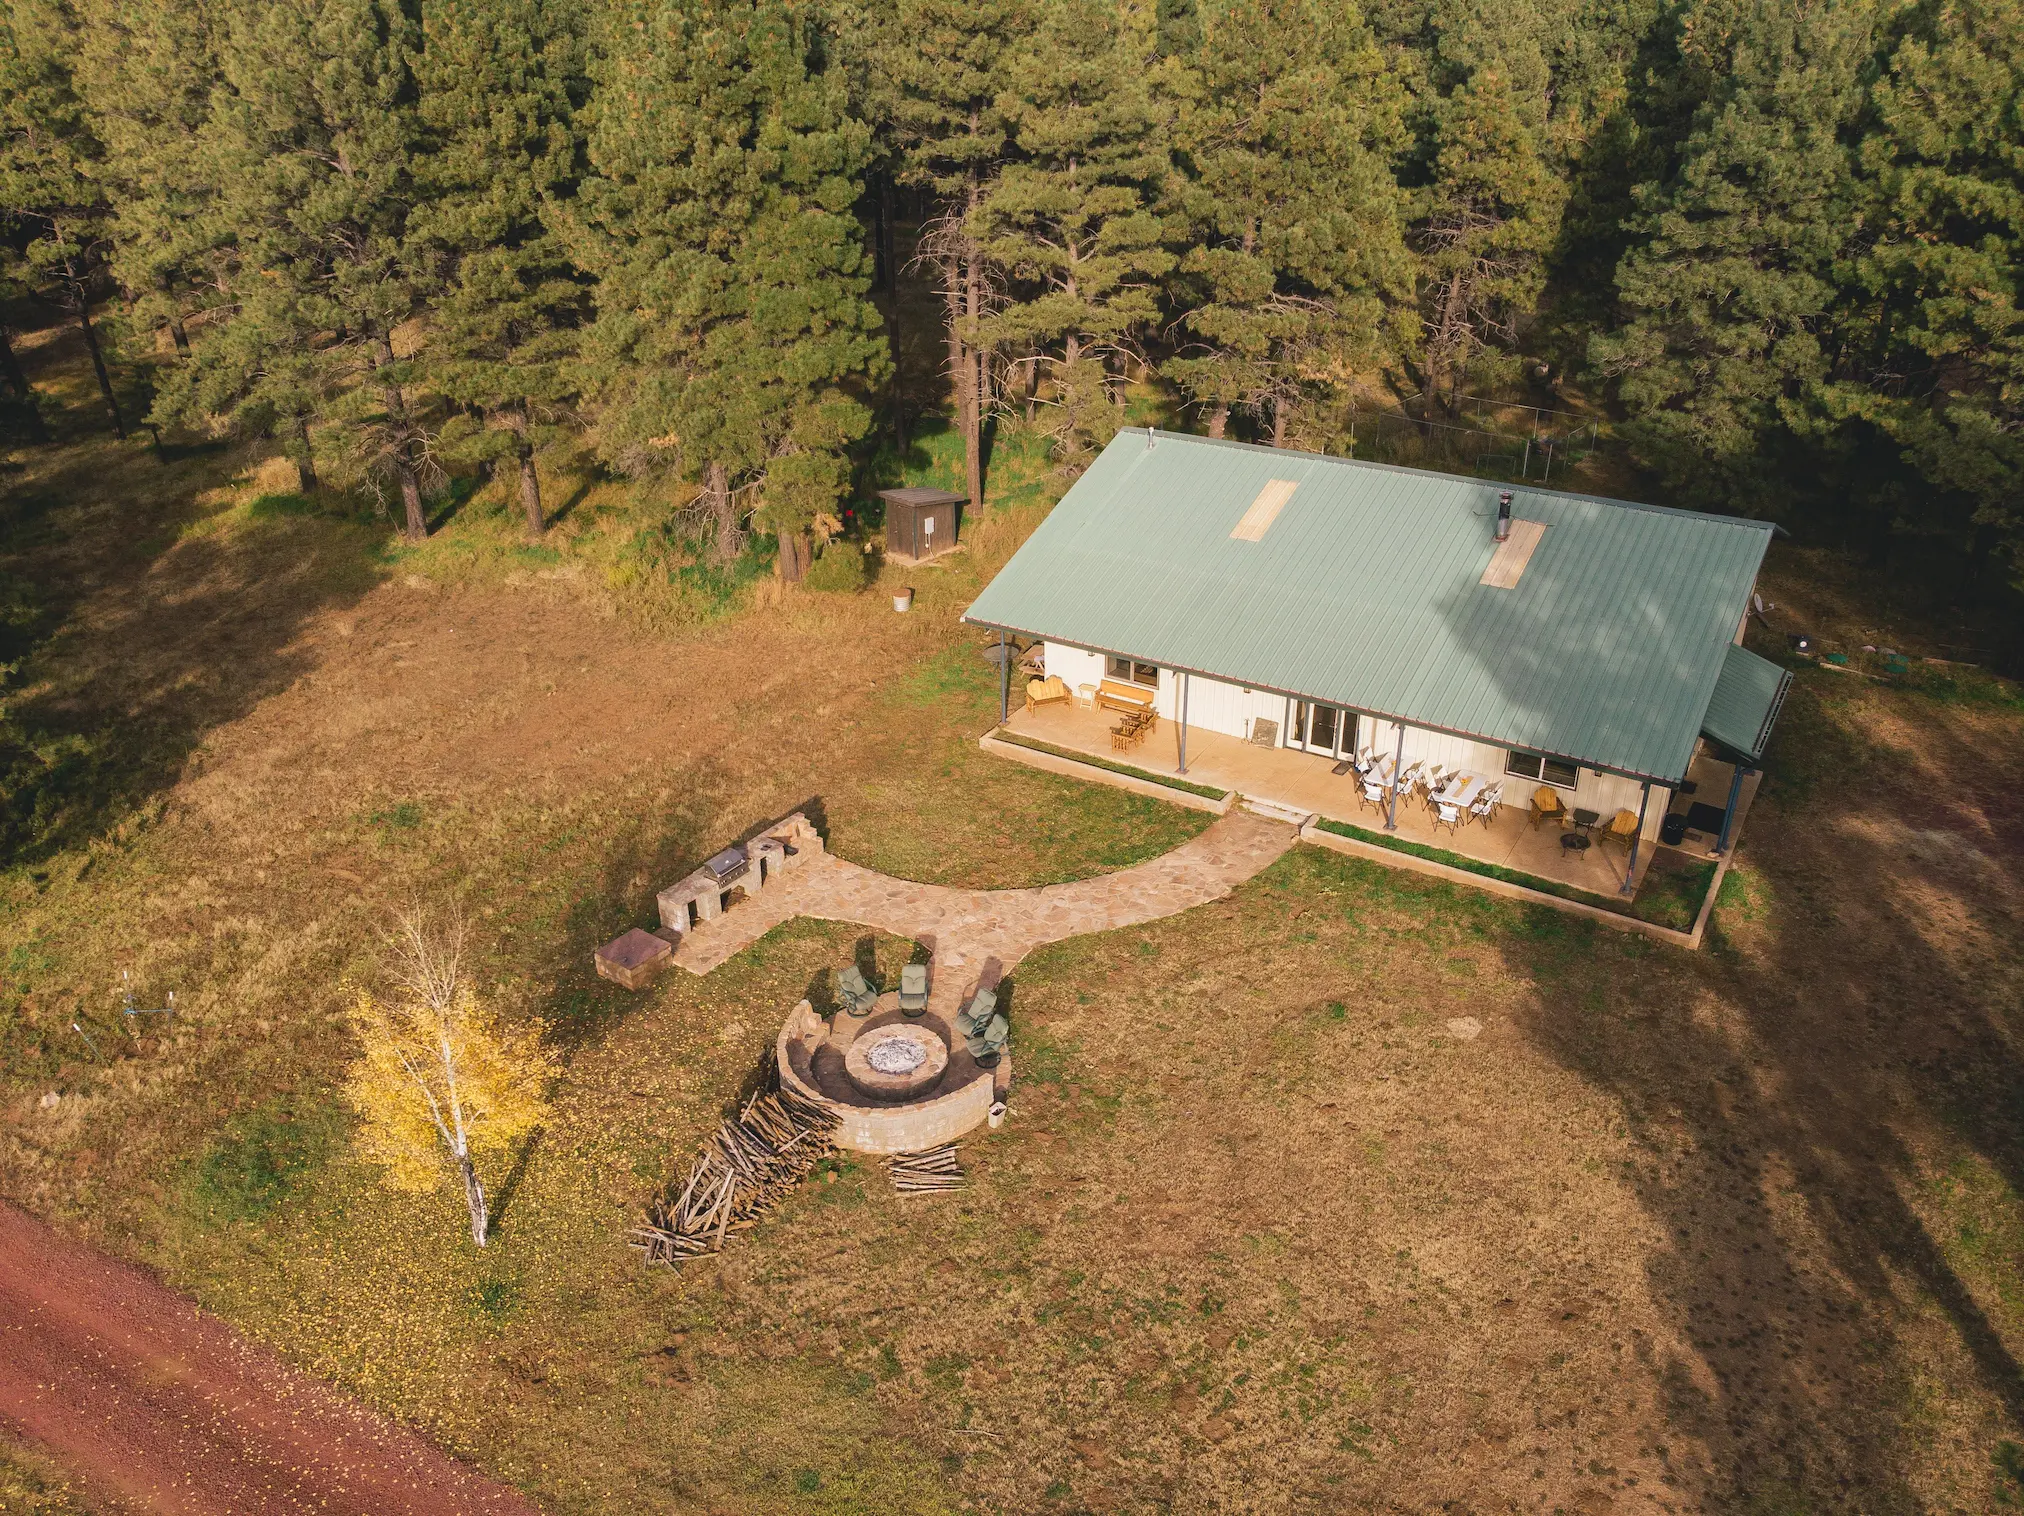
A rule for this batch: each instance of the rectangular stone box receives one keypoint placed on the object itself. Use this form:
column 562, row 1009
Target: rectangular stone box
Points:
column 634, row 959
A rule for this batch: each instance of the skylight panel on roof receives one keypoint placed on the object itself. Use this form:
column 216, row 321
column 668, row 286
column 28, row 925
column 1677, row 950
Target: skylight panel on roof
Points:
column 1264, row 510
column 1507, row 564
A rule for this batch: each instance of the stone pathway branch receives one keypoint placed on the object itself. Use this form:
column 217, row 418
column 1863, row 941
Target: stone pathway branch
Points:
column 980, row 935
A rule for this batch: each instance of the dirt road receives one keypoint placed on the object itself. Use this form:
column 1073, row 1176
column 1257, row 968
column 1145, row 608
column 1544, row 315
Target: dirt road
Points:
column 166, row 1410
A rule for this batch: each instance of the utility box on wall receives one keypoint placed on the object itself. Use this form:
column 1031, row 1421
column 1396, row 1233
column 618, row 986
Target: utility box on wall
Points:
column 920, row 523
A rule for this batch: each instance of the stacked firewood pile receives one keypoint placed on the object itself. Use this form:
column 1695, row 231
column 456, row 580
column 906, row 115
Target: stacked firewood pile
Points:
column 926, row 1172
column 747, row 1167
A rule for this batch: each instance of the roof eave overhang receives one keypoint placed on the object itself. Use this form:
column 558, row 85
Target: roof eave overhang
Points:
column 1245, row 682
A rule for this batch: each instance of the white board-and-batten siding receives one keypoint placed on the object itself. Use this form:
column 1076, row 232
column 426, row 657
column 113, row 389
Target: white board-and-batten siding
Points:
column 1215, row 706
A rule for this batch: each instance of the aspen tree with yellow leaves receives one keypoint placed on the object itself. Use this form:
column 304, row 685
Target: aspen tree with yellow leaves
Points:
column 441, row 1081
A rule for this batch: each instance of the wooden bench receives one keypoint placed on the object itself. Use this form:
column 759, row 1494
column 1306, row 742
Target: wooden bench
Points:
column 1114, row 695
column 1041, row 692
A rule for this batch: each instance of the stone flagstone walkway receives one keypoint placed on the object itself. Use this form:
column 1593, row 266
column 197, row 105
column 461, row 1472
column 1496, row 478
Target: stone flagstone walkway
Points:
column 982, row 934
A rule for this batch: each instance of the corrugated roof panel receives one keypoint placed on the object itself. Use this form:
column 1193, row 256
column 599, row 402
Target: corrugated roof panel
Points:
column 1365, row 592
column 1748, row 694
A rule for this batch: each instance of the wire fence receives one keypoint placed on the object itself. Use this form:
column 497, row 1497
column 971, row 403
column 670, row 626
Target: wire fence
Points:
column 1539, row 454
column 1509, row 417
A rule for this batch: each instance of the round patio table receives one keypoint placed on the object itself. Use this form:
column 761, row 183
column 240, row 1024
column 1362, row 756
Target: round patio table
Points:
column 1574, row 842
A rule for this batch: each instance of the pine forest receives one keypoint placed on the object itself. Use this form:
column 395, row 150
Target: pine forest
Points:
column 1771, row 249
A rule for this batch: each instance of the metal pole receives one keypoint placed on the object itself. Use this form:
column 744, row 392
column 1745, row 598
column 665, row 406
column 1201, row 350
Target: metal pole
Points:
column 1004, row 681
column 1637, row 839
column 1184, row 723
column 1525, row 468
column 1547, row 477
column 1729, row 815
column 1391, row 820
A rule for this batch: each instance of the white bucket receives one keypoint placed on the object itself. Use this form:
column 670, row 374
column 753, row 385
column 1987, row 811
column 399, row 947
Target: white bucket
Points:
column 996, row 1118
column 904, row 599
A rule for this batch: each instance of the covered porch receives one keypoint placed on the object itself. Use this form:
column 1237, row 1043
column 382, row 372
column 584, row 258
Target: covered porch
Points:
column 1307, row 783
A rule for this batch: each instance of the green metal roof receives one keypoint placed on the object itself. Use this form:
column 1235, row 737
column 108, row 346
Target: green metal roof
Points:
column 1364, row 592
column 1745, row 703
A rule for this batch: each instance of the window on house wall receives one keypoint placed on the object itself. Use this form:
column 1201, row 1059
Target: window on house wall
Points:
column 1535, row 766
column 1132, row 672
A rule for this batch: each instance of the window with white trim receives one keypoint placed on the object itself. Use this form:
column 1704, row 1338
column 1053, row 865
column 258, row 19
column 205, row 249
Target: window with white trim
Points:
column 1553, row 771
column 1132, row 672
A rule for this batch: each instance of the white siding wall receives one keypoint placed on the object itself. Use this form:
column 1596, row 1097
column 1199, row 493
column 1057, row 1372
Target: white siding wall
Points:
column 1605, row 794
column 1217, row 707
column 1073, row 666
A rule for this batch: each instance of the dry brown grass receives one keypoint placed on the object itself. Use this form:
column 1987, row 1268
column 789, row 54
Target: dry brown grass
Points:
column 1730, row 1231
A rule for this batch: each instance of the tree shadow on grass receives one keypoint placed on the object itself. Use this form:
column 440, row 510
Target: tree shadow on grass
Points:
column 502, row 1199
column 137, row 634
column 1779, row 1092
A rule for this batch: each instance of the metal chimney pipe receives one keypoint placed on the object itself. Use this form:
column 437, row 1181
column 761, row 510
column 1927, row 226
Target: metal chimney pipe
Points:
column 1503, row 515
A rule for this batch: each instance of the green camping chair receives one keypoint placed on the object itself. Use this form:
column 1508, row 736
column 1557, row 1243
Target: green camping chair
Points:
column 988, row 1041
column 978, row 1013
column 855, row 991
column 914, row 989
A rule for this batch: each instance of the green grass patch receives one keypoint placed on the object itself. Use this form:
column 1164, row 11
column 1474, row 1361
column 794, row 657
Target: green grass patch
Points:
column 1207, row 792
column 258, row 1162
column 1672, row 899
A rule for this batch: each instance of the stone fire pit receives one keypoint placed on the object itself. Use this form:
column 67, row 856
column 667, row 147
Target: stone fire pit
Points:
column 896, row 1062
column 898, row 1084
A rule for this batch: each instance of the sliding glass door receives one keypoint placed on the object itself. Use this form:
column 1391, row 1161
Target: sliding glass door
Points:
column 1325, row 729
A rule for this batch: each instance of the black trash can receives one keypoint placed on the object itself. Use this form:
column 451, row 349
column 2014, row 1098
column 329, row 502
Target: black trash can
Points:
column 1673, row 830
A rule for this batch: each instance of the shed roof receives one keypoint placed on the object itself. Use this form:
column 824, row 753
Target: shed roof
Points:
column 1363, row 587
column 920, row 494
column 1745, row 703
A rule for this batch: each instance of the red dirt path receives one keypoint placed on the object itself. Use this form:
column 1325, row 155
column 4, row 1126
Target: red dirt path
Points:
column 152, row 1403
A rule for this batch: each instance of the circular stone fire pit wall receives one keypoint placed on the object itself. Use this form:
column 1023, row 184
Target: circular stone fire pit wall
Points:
column 897, row 1110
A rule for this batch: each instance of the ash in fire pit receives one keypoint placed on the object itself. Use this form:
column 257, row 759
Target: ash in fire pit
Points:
column 896, row 1055
column 896, row 1062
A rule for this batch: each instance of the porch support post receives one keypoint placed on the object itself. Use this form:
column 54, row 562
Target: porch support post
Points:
column 1184, row 722
column 1637, row 841
column 1004, row 681
column 1729, row 814
column 1391, row 820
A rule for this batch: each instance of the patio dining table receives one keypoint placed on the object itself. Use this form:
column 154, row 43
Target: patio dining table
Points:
column 1462, row 790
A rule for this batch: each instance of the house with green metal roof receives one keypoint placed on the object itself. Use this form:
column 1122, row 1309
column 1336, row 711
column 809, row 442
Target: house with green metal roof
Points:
column 1349, row 611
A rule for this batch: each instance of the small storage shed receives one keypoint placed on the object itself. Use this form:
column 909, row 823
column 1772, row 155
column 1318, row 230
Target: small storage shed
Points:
column 921, row 523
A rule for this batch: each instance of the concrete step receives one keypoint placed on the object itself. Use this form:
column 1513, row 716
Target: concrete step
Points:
column 1276, row 811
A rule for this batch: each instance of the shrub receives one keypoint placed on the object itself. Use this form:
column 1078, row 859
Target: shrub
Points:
column 842, row 569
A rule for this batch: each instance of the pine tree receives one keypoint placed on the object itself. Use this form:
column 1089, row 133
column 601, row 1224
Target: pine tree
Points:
column 734, row 333
column 495, row 79
column 148, row 69
column 1729, row 292
column 21, row 412
column 315, row 138
column 938, row 76
column 1486, row 221
column 1072, row 219
column 1934, row 297
column 51, row 168
column 1295, row 216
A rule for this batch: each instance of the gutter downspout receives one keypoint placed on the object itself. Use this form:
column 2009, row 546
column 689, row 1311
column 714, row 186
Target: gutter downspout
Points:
column 1391, row 820
column 1184, row 722
column 1729, row 815
column 1004, row 681
column 1637, row 841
